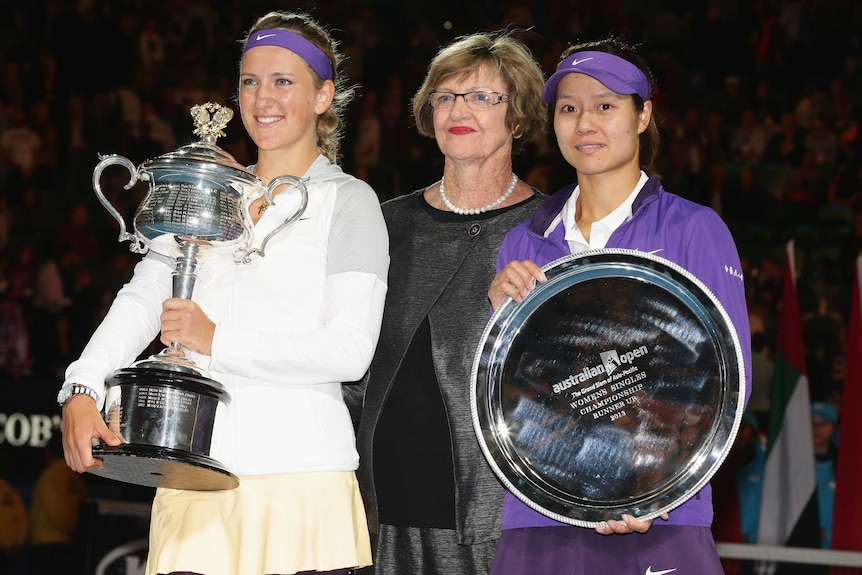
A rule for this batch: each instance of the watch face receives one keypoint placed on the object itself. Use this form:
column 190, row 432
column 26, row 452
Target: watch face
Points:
column 616, row 386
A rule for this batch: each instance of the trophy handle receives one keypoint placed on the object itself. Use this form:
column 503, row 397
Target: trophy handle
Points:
column 243, row 255
column 109, row 160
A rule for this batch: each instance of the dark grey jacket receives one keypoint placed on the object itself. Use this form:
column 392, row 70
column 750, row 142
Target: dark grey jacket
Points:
column 440, row 269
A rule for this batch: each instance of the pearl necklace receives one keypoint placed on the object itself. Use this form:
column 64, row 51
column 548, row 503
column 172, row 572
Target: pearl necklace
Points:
column 474, row 211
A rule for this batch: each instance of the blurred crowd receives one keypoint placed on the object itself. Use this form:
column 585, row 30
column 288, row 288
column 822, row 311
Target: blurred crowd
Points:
column 760, row 104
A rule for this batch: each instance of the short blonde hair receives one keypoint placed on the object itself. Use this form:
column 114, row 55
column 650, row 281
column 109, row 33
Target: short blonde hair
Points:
column 502, row 55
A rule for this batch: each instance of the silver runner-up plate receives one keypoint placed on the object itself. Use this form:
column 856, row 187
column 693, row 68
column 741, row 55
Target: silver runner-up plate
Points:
column 616, row 386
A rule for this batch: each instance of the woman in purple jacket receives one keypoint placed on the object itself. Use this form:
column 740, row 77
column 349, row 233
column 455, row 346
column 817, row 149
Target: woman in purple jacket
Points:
column 605, row 127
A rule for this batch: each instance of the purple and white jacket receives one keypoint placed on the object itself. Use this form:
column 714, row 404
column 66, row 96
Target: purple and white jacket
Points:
column 688, row 234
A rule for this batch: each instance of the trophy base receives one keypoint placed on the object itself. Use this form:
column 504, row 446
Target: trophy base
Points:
column 162, row 467
column 166, row 417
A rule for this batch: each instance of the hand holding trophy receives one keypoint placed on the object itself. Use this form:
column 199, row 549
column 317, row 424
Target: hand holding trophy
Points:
column 165, row 406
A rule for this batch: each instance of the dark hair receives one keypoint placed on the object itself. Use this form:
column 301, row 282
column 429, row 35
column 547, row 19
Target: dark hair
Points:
column 649, row 139
column 330, row 125
column 503, row 55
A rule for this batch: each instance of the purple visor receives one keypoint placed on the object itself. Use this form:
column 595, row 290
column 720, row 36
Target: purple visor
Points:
column 616, row 73
column 314, row 56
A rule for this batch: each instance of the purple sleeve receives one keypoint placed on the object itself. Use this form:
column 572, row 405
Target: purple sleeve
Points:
column 507, row 253
column 712, row 257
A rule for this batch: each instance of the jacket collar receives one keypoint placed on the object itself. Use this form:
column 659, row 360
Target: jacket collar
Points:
column 552, row 207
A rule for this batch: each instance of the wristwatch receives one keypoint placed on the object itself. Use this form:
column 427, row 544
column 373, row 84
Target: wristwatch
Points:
column 70, row 389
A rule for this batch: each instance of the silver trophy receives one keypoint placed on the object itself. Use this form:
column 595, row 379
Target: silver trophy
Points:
column 165, row 406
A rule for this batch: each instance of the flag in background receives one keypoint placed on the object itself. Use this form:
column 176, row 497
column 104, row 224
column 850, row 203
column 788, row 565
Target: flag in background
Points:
column 846, row 526
column 788, row 509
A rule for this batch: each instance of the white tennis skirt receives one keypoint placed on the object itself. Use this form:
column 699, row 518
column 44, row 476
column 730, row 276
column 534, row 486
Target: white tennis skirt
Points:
column 269, row 524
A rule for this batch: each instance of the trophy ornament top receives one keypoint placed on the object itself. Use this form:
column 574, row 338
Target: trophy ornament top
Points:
column 204, row 156
column 210, row 120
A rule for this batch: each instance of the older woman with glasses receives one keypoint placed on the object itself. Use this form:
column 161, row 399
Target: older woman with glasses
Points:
column 430, row 496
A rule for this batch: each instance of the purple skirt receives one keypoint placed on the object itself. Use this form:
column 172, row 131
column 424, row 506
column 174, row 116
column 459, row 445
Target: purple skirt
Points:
column 573, row 550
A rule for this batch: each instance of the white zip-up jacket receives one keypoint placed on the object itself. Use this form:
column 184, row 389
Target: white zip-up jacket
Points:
column 290, row 327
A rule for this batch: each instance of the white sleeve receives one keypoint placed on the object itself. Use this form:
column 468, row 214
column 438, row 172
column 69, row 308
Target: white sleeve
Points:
column 131, row 324
column 341, row 350
column 358, row 240
column 355, row 291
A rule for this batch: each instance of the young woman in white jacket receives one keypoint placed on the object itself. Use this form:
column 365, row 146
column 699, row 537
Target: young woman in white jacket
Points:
column 281, row 333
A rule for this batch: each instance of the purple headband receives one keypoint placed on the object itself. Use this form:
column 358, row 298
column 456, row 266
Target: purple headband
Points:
column 314, row 56
column 616, row 73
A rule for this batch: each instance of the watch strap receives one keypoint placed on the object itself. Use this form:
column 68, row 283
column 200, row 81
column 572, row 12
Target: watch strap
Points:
column 71, row 389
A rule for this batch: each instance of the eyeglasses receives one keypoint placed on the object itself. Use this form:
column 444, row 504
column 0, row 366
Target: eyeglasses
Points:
column 478, row 100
